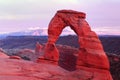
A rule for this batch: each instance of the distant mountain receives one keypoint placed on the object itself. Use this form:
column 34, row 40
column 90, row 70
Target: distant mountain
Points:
column 37, row 32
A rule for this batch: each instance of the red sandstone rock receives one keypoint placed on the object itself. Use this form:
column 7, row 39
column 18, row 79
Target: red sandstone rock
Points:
column 11, row 69
column 91, row 53
column 90, row 59
column 91, row 50
column 51, row 52
column 38, row 48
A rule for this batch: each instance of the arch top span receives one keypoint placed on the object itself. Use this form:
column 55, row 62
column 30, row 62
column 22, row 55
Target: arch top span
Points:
column 80, row 14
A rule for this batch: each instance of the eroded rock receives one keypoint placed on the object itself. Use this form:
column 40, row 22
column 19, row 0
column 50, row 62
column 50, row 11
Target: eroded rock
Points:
column 91, row 51
column 90, row 54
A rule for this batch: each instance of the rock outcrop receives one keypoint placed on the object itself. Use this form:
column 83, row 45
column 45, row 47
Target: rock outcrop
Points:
column 12, row 69
column 18, row 69
column 38, row 48
column 91, row 53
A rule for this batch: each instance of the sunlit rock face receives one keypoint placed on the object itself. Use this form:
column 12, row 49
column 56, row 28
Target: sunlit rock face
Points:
column 90, row 54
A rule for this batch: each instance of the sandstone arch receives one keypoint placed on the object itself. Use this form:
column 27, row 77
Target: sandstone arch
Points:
column 91, row 52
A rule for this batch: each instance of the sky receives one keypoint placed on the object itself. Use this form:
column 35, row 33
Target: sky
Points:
column 103, row 16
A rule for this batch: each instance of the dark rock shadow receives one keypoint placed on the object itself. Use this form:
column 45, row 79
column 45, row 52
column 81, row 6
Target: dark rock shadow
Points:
column 67, row 58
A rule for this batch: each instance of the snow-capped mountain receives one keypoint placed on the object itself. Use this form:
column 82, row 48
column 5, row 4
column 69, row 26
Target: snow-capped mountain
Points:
column 36, row 32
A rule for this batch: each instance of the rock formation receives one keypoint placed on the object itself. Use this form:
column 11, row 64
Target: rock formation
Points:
column 91, row 53
column 38, row 48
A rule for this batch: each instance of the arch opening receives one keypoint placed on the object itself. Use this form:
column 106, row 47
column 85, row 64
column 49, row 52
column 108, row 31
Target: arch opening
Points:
column 68, row 37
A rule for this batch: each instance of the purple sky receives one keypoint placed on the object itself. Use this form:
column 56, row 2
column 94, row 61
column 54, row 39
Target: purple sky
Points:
column 21, row 15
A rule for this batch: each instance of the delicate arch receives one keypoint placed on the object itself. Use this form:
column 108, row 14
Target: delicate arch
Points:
column 91, row 52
